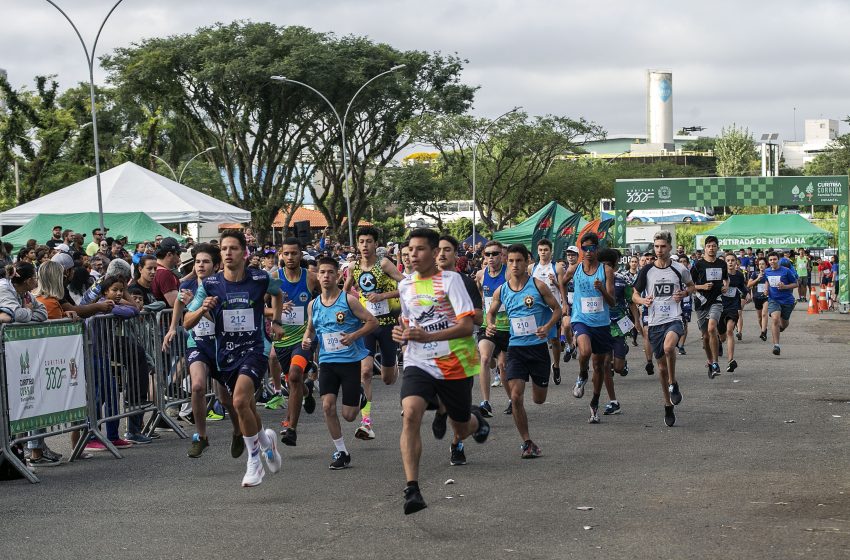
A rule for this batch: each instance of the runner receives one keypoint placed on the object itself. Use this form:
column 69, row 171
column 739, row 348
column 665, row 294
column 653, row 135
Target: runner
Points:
column 804, row 268
column 758, row 284
column 440, row 359
column 494, row 346
column 687, row 309
column 407, row 271
column 781, row 283
column 297, row 284
column 551, row 274
column 732, row 307
column 568, row 288
column 621, row 326
column 666, row 283
column 711, row 278
column 233, row 301
column 532, row 311
column 591, row 319
column 340, row 323
column 447, row 260
column 375, row 280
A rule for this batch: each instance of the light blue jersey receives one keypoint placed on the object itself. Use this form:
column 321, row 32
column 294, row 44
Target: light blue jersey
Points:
column 331, row 322
column 526, row 312
column 589, row 306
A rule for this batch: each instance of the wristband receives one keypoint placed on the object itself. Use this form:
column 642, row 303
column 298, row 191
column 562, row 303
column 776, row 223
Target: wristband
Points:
column 277, row 322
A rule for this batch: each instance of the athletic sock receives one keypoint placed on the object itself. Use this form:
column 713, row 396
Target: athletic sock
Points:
column 340, row 445
column 252, row 444
column 594, row 402
column 366, row 413
column 265, row 442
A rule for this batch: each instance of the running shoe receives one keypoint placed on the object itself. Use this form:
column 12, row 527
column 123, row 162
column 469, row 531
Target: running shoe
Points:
column 95, row 445
column 213, row 416
column 275, row 402
column 187, row 416
column 763, row 336
column 669, row 415
column 650, row 368
column 509, row 410
column 739, row 335
column 50, row 454
column 675, row 394
column 341, row 460
column 413, row 500
column 578, row 390
column 43, row 461
column 574, row 353
column 364, row 431
column 485, row 409
column 625, row 371
column 438, row 426
column 137, row 439
column 273, row 458
column 121, row 443
column 594, row 415
column 237, row 446
column 254, row 474
column 733, row 365
column 556, row 374
column 530, row 450
column 713, row 370
column 198, row 446
column 458, row 455
column 613, row 407
column 497, row 381
column 289, row 437
column 480, row 435
column 568, row 354
column 681, row 350
column 309, row 400
column 776, row 350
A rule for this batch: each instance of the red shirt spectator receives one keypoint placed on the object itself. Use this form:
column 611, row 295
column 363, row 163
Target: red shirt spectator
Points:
column 165, row 284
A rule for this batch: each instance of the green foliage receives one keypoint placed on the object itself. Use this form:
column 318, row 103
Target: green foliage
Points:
column 417, row 188
column 686, row 234
column 393, row 228
column 460, row 229
column 736, row 152
column 835, row 160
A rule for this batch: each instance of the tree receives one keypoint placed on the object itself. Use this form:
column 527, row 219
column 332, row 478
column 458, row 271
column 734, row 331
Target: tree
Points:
column 735, row 151
column 835, row 160
column 511, row 162
column 420, row 189
column 214, row 87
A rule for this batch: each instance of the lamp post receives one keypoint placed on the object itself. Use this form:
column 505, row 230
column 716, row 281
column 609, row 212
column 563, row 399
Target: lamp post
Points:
column 341, row 123
column 185, row 165
column 90, row 61
column 474, row 158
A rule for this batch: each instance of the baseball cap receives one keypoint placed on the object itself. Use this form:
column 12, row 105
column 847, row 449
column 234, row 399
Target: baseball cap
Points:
column 169, row 244
column 64, row 259
column 572, row 249
column 63, row 248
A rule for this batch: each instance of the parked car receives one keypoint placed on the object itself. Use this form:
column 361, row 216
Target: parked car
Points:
column 669, row 215
column 806, row 215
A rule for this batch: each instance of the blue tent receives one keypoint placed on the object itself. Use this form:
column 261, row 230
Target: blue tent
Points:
column 478, row 239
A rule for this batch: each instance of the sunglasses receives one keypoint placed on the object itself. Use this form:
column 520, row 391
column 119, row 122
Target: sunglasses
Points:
column 590, row 248
column 493, row 254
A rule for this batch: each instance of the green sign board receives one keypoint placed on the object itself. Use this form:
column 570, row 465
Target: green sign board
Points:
column 696, row 192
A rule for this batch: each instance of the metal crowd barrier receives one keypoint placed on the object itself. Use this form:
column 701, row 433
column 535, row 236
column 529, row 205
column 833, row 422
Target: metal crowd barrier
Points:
column 67, row 372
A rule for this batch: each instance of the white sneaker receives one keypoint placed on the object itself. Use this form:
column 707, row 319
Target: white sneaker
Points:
column 365, row 432
column 273, row 458
column 254, row 473
column 497, row 380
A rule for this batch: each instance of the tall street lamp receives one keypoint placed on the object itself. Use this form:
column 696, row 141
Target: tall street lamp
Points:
column 90, row 60
column 341, row 123
column 475, row 157
column 185, row 165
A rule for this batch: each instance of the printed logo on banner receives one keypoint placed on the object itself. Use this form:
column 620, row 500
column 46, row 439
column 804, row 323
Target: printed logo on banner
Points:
column 664, row 194
column 830, row 191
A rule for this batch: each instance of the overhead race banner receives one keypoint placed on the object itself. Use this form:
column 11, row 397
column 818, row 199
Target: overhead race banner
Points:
column 45, row 375
column 696, row 192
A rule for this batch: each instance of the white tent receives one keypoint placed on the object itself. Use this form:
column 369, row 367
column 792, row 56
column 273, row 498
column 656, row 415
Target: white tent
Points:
column 130, row 188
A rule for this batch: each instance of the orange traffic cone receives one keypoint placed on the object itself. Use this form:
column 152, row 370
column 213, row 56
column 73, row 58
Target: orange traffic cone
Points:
column 823, row 305
column 813, row 302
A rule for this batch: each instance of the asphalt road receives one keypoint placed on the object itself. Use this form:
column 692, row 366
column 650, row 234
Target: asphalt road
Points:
column 756, row 467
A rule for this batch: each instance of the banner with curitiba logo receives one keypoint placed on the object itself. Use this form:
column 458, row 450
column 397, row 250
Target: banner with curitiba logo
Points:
column 45, row 375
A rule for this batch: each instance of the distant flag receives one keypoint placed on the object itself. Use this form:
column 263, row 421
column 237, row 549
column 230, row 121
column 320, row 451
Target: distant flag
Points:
column 544, row 227
column 565, row 235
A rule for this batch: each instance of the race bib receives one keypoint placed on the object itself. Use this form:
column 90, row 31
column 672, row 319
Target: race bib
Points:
column 763, row 288
column 663, row 310
column 731, row 292
column 429, row 350
column 205, row 327
column 332, row 342
column 625, row 325
column 570, row 297
column 591, row 304
column 488, row 301
column 524, row 326
column 238, row 320
column 294, row 316
column 380, row 308
column 713, row 274
column 774, row 281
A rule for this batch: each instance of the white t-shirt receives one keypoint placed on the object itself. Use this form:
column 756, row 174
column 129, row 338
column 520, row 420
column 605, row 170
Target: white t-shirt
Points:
column 661, row 284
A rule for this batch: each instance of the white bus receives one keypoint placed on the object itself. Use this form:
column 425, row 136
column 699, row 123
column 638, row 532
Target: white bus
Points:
column 666, row 215
column 448, row 211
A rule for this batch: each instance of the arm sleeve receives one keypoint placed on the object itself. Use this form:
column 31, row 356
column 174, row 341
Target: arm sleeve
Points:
column 199, row 298
column 456, row 292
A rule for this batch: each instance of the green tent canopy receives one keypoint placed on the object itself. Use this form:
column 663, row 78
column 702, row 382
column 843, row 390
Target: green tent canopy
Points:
column 136, row 226
column 762, row 231
column 522, row 233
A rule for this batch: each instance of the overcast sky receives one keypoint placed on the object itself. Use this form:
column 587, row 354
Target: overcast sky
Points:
column 745, row 62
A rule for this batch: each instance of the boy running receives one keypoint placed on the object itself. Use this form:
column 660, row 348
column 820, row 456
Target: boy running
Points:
column 711, row 279
column 732, row 308
column 780, row 303
column 550, row 273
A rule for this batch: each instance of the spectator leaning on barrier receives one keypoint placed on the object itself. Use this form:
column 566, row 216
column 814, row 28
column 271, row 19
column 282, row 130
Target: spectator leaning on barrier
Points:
column 17, row 304
column 165, row 283
column 75, row 284
column 117, row 267
column 144, row 277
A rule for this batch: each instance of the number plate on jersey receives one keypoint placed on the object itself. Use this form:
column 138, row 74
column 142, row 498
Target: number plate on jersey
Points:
column 377, row 309
column 294, row 316
column 238, row 320
column 205, row 327
column 429, row 350
column 524, row 326
column 591, row 304
column 332, row 342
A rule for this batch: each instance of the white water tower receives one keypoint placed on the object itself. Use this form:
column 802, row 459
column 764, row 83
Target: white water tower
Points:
column 659, row 109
